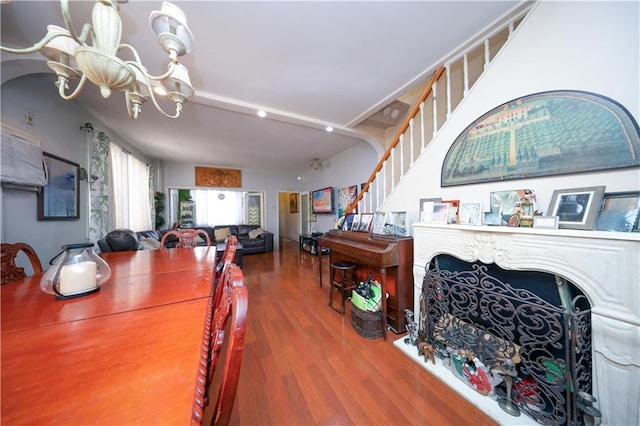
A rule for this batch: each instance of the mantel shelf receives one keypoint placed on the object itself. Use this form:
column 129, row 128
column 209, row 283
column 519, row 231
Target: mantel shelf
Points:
column 577, row 233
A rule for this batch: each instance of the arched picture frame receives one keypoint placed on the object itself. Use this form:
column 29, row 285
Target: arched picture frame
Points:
column 544, row 134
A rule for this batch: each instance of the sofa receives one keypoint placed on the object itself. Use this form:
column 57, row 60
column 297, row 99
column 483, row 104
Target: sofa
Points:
column 252, row 237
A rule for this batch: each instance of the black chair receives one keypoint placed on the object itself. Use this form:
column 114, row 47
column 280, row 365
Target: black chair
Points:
column 119, row 240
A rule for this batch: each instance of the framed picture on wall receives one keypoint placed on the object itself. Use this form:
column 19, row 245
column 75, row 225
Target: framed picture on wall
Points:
column 59, row 199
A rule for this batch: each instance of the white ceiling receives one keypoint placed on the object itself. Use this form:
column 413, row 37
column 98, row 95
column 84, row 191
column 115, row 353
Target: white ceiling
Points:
column 308, row 64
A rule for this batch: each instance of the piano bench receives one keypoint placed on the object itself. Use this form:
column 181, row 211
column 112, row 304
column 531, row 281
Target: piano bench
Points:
column 343, row 279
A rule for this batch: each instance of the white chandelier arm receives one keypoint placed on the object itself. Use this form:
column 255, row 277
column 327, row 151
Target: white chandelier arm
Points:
column 138, row 64
column 36, row 47
column 147, row 81
column 86, row 28
column 159, row 108
column 63, row 85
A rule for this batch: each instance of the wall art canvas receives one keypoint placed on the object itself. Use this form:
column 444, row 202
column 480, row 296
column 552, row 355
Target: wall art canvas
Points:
column 293, row 202
column 346, row 196
column 213, row 176
column 544, row 134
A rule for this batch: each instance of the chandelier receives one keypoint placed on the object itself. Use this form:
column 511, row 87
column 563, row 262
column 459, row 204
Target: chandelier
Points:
column 316, row 164
column 71, row 56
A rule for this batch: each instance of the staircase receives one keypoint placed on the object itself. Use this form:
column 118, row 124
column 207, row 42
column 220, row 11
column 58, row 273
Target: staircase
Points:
column 448, row 87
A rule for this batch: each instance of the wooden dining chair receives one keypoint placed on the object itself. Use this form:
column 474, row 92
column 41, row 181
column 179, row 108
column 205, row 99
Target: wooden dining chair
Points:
column 221, row 351
column 12, row 272
column 187, row 238
column 228, row 257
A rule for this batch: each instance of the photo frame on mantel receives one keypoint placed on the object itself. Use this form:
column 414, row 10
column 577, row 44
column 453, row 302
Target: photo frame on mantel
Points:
column 620, row 212
column 577, row 208
column 59, row 199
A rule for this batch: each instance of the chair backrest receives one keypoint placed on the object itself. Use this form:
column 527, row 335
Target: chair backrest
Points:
column 222, row 347
column 12, row 272
column 227, row 257
column 187, row 238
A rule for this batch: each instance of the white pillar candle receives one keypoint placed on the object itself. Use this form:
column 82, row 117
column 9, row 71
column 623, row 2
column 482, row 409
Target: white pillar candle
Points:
column 77, row 278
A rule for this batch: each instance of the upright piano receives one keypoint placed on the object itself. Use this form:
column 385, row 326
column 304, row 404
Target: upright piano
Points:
column 389, row 259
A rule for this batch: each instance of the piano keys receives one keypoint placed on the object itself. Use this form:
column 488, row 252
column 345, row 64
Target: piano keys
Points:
column 390, row 259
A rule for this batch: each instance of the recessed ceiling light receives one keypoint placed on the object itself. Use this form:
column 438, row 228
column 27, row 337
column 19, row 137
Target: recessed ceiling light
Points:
column 329, row 129
column 262, row 114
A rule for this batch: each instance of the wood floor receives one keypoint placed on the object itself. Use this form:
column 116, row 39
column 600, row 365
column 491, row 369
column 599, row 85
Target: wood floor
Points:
column 304, row 364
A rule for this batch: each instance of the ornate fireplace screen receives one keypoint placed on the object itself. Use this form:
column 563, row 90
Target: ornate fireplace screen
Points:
column 521, row 337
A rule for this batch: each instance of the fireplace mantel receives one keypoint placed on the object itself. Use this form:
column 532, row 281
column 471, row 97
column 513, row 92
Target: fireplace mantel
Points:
column 604, row 265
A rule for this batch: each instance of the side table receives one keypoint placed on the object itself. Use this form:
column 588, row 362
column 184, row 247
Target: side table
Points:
column 309, row 243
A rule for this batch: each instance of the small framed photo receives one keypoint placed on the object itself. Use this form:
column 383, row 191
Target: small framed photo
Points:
column 440, row 212
column 355, row 225
column 545, row 222
column 377, row 227
column 453, row 215
column 348, row 221
column 426, row 209
column 491, row 218
column 400, row 226
column 365, row 222
column 577, row 208
column 471, row 213
column 619, row 212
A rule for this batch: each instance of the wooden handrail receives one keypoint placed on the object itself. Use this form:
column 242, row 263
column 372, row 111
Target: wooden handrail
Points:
column 405, row 125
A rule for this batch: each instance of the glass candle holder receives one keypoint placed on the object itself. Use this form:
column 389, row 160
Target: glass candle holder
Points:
column 76, row 271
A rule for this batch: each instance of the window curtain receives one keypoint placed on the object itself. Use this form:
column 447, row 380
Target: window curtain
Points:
column 131, row 195
column 98, row 147
column 139, row 195
column 119, row 189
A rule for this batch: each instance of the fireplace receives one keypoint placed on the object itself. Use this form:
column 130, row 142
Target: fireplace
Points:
column 604, row 266
column 522, row 338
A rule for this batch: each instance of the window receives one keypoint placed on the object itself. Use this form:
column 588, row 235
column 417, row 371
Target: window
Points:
column 219, row 207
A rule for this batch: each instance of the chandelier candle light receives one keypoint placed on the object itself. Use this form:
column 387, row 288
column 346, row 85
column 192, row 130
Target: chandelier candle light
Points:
column 98, row 63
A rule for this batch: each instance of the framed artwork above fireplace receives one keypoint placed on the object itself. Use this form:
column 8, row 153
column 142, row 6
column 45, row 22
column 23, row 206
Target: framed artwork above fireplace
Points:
column 544, row 134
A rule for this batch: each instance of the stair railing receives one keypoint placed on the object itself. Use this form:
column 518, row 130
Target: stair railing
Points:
column 469, row 61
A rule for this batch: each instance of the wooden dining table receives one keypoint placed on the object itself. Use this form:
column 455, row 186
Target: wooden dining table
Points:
column 127, row 354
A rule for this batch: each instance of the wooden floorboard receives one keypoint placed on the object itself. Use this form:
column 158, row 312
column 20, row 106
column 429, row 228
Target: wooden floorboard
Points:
column 303, row 363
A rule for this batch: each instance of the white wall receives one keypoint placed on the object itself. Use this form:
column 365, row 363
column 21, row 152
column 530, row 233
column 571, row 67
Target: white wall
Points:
column 349, row 168
column 56, row 123
column 288, row 223
column 352, row 167
column 590, row 46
